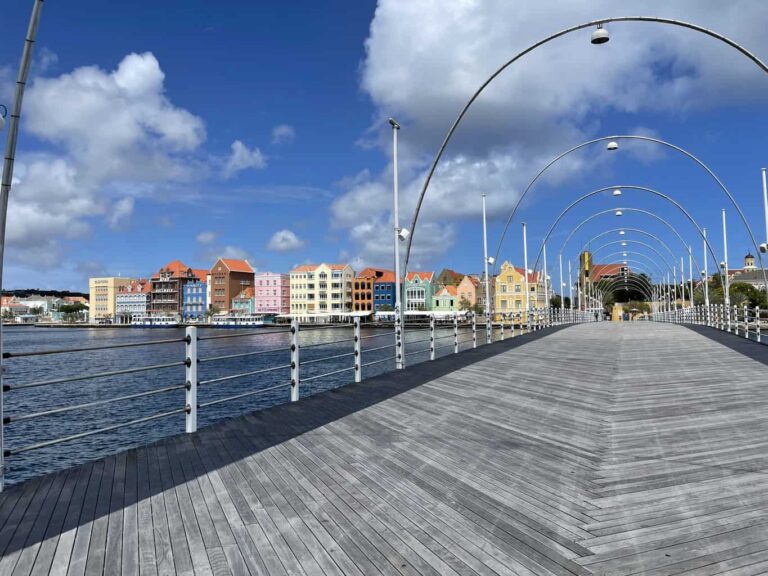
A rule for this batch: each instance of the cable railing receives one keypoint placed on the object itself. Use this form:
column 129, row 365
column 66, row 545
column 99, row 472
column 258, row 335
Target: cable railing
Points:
column 744, row 321
column 342, row 356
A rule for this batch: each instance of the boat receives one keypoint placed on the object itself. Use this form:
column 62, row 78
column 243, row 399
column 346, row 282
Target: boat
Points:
column 237, row 321
column 144, row 321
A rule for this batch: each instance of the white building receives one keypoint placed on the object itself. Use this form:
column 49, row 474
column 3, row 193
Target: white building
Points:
column 132, row 300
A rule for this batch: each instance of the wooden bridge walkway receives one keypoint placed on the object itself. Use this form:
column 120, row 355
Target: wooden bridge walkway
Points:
column 596, row 449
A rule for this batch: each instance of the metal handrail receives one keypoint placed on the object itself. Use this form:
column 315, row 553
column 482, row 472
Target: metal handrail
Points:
column 89, row 349
column 47, row 443
column 63, row 409
column 243, row 334
column 320, row 344
column 243, row 395
column 8, row 387
column 379, row 361
column 242, row 355
column 379, row 348
column 316, row 360
column 378, row 335
column 327, row 374
column 243, row 375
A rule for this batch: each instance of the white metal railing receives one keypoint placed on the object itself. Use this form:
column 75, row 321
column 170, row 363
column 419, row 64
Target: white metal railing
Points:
column 744, row 321
column 291, row 373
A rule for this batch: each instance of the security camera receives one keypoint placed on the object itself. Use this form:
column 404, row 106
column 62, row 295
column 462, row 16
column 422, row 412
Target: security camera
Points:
column 491, row 260
column 722, row 265
column 403, row 234
column 703, row 274
column 763, row 248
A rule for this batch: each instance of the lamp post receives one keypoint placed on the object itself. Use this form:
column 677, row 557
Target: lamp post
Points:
column 399, row 284
column 546, row 283
column 726, row 289
column 7, row 179
column 690, row 275
column 525, row 273
column 488, row 333
column 562, row 284
column 764, row 246
column 570, row 285
column 706, row 274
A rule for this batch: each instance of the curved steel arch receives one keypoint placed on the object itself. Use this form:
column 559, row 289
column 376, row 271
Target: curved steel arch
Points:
column 659, row 268
column 659, row 254
column 640, row 211
column 645, row 288
column 639, row 231
column 629, row 187
column 531, row 48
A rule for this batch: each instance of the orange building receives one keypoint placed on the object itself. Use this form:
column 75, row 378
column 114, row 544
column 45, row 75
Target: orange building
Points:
column 229, row 278
column 365, row 292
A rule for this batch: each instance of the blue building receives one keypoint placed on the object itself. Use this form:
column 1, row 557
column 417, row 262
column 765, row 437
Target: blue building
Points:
column 195, row 300
column 384, row 291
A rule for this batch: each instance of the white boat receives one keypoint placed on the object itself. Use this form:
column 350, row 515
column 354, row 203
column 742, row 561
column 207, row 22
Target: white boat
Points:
column 237, row 321
column 142, row 321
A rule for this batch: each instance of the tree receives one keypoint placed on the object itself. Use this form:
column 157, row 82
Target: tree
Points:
column 72, row 308
column 464, row 304
column 745, row 294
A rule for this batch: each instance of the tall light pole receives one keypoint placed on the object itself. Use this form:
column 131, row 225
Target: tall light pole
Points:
column 525, row 274
column 726, row 289
column 570, row 285
column 398, row 235
column 562, row 284
column 546, row 282
column 682, row 281
column 706, row 274
column 765, row 210
column 690, row 275
column 488, row 333
column 7, row 179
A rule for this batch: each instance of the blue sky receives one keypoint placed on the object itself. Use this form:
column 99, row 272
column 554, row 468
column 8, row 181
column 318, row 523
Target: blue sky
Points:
column 155, row 131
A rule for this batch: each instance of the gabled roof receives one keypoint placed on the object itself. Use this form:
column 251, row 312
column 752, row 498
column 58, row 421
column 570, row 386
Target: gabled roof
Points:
column 388, row 276
column 201, row 274
column 474, row 280
column 423, row 276
column 177, row 268
column 532, row 276
column 305, row 268
column 375, row 273
column 246, row 294
column 235, row 265
column 448, row 291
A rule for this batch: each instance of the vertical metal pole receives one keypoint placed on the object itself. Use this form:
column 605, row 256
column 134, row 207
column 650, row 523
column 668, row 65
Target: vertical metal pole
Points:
column 690, row 274
column 488, row 323
column 725, row 260
column 706, row 280
column 431, row 337
column 682, row 281
column 525, row 277
column 455, row 333
column 190, row 361
column 5, row 187
column 358, row 350
column 295, row 366
column 570, row 287
column 474, row 330
column 562, row 285
column 546, row 286
column 746, row 322
column 502, row 325
column 757, row 319
column 765, row 203
column 399, row 282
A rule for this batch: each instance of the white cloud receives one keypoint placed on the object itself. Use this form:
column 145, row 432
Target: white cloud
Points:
column 283, row 134
column 116, row 136
column 207, row 237
column 424, row 60
column 212, row 253
column 284, row 241
column 242, row 158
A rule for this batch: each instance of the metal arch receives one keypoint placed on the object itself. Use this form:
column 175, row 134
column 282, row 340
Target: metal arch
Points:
column 640, row 211
column 634, row 278
column 659, row 254
column 531, row 48
column 639, row 231
column 643, row 268
column 657, row 141
column 658, row 267
column 628, row 187
column 613, row 287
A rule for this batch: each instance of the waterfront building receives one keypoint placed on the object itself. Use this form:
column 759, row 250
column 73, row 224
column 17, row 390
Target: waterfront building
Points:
column 102, row 293
column 510, row 291
column 77, row 300
column 272, row 293
column 43, row 305
column 419, row 289
column 195, row 299
column 245, row 302
column 469, row 290
column 448, row 277
column 321, row 289
column 132, row 300
column 373, row 289
column 229, row 277
column 445, row 300
column 11, row 307
column 167, row 288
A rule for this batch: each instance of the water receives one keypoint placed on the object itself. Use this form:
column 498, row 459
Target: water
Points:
column 39, row 368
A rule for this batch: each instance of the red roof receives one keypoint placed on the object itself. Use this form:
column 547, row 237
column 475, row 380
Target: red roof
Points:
column 601, row 270
column 388, row 276
column 177, row 268
column 337, row 266
column 202, row 275
column 305, row 268
column 376, row 273
column 532, row 277
column 424, row 276
column 235, row 266
column 473, row 279
column 246, row 294
column 7, row 300
column 450, row 289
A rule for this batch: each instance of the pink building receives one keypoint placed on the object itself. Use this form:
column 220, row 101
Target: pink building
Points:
column 273, row 293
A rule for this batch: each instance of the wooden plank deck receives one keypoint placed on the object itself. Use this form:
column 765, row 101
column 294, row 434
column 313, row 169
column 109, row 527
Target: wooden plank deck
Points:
column 597, row 449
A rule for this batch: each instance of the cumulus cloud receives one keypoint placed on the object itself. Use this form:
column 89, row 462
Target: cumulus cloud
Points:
column 119, row 135
column 242, row 158
column 424, row 60
column 211, row 253
column 283, row 134
column 284, row 241
column 207, row 237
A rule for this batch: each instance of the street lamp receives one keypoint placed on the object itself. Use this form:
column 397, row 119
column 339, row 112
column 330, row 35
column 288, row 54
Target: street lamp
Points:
column 619, row 212
column 400, row 235
column 612, row 146
column 600, row 36
column 617, row 192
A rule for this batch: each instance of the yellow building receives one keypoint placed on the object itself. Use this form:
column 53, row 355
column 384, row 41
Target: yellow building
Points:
column 510, row 292
column 102, row 296
column 321, row 290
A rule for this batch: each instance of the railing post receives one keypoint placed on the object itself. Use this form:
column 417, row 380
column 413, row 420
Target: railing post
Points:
column 501, row 317
column 746, row 322
column 358, row 350
column 431, row 337
column 757, row 319
column 474, row 330
column 190, row 362
column 455, row 333
column 399, row 356
column 295, row 366
column 488, row 327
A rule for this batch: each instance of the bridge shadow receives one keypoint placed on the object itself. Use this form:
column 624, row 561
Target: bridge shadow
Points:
column 112, row 494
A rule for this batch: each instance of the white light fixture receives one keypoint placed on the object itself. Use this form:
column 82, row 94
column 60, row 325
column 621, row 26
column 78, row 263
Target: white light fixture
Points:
column 491, row 260
column 624, row 254
column 617, row 192
column 600, row 36
column 612, row 146
column 623, row 243
column 403, row 234
column 621, row 232
column 619, row 212
column 722, row 265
